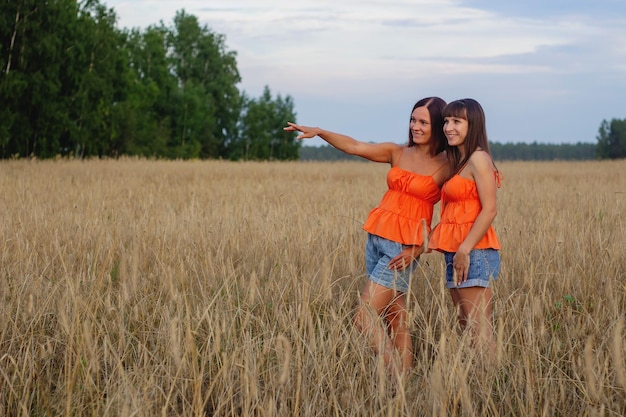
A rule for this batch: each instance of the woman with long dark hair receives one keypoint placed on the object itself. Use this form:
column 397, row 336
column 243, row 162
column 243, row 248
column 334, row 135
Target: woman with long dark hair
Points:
column 465, row 233
column 396, row 236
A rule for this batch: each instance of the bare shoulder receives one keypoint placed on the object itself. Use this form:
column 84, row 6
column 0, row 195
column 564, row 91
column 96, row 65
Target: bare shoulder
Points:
column 481, row 166
column 395, row 151
column 441, row 160
column 481, row 160
column 441, row 157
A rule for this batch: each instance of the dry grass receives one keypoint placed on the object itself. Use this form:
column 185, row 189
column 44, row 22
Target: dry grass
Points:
column 143, row 288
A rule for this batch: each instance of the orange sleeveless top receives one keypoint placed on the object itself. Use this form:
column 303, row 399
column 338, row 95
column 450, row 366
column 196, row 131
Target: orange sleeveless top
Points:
column 460, row 206
column 409, row 199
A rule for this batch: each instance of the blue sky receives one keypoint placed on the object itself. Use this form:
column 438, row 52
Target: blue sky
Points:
column 544, row 70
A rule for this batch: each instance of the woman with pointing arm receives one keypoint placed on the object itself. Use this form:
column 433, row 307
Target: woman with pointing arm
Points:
column 396, row 237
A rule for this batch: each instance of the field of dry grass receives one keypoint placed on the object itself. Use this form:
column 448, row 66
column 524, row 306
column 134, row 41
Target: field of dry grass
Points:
column 146, row 288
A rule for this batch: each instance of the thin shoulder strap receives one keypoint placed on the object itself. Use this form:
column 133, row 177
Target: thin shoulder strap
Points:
column 439, row 169
column 462, row 167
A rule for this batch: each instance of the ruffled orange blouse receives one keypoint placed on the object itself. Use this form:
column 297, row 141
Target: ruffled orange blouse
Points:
column 409, row 199
column 460, row 206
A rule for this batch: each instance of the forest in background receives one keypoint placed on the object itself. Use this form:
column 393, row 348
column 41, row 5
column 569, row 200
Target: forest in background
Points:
column 74, row 84
column 503, row 152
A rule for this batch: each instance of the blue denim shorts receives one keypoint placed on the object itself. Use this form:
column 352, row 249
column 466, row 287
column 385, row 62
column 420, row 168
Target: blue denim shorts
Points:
column 484, row 267
column 378, row 252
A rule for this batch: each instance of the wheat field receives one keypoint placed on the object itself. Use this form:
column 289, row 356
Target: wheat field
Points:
column 137, row 287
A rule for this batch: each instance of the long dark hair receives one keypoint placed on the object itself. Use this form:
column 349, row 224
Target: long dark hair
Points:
column 470, row 110
column 435, row 106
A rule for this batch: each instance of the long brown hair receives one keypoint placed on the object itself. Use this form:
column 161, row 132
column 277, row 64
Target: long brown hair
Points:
column 438, row 142
column 470, row 110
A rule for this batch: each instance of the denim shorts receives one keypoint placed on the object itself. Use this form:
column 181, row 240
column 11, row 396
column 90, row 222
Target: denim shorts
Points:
column 378, row 252
column 484, row 267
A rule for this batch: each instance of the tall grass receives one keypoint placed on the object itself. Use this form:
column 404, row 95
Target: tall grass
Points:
column 141, row 288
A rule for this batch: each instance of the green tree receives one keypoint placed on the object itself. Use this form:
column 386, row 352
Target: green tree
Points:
column 60, row 78
column 12, row 82
column 34, row 35
column 611, row 139
column 209, row 103
column 261, row 131
column 99, row 82
column 144, row 118
column 72, row 83
column 326, row 153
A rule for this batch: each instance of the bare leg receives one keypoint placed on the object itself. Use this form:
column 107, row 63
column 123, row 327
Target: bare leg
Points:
column 456, row 300
column 396, row 316
column 475, row 311
column 375, row 300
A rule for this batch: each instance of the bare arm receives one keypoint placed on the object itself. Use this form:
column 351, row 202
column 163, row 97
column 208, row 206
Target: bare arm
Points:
column 376, row 152
column 482, row 169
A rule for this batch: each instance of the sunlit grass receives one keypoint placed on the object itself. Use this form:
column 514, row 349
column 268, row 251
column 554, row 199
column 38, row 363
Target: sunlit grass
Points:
column 141, row 288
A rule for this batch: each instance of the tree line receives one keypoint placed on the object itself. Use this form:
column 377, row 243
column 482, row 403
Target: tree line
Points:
column 612, row 139
column 542, row 152
column 72, row 83
column 507, row 151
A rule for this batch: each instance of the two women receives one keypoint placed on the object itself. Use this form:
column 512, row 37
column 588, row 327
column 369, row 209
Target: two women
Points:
column 395, row 233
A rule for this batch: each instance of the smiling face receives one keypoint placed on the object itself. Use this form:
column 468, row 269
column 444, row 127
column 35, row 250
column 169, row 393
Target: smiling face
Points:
column 464, row 128
column 455, row 129
column 420, row 126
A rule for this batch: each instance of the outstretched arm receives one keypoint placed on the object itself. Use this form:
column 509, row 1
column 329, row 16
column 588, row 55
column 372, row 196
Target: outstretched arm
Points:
column 377, row 152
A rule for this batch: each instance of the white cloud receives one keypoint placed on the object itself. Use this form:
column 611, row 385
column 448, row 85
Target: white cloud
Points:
column 327, row 50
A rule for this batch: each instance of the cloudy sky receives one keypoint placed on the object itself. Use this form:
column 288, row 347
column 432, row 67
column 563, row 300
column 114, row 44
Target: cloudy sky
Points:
column 544, row 70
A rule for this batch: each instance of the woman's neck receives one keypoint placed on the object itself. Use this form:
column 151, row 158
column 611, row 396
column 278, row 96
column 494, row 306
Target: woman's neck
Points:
column 423, row 150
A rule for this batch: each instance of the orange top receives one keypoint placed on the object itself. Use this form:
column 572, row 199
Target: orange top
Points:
column 409, row 199
column 460, row 206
